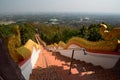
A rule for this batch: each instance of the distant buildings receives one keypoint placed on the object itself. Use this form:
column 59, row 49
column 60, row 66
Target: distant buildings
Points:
column 7, row 22
column 54, row 21
column 84, row 19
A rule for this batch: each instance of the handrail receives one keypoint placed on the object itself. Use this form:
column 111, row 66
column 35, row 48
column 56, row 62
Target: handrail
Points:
column 37, row 36
column 73, row 50
column 78, row 49
column 102, row 52
column 105, row 59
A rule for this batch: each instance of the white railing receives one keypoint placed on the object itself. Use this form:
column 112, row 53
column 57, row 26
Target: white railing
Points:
column 27, row 67
column 105, row 60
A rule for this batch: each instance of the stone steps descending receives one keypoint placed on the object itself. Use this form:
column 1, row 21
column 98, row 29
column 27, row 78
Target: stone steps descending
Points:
column 58, row 69
column 99, row 72
column 48, row 73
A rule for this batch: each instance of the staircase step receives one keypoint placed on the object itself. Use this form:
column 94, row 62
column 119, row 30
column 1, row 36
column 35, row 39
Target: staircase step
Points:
column 48, row 73
column 60, row 70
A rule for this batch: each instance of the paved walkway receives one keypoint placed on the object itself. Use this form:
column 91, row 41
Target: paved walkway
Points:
column 53, row 66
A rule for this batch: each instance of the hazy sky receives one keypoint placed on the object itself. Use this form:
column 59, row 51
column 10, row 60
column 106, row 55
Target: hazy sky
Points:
column 91, row 6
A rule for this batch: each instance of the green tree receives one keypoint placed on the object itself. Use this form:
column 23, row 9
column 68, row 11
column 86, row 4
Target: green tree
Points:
column 94, row 33
column 83, row 32
column 27, row 31
column 6, row 30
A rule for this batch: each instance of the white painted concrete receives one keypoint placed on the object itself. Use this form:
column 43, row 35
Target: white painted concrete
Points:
column 105, row 60
column 27, row 67
column 34, row 57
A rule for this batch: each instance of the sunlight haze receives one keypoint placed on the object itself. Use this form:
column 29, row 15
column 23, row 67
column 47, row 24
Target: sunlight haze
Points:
column 36, row 6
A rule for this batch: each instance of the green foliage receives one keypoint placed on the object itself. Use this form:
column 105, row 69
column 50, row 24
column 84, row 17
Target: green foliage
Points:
column 94, row 33
column 11, row 34
column 55, row 33
column 69, row 33
column 6, row 30
column 91, row 33
column 27, row 31
column 83, row 32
